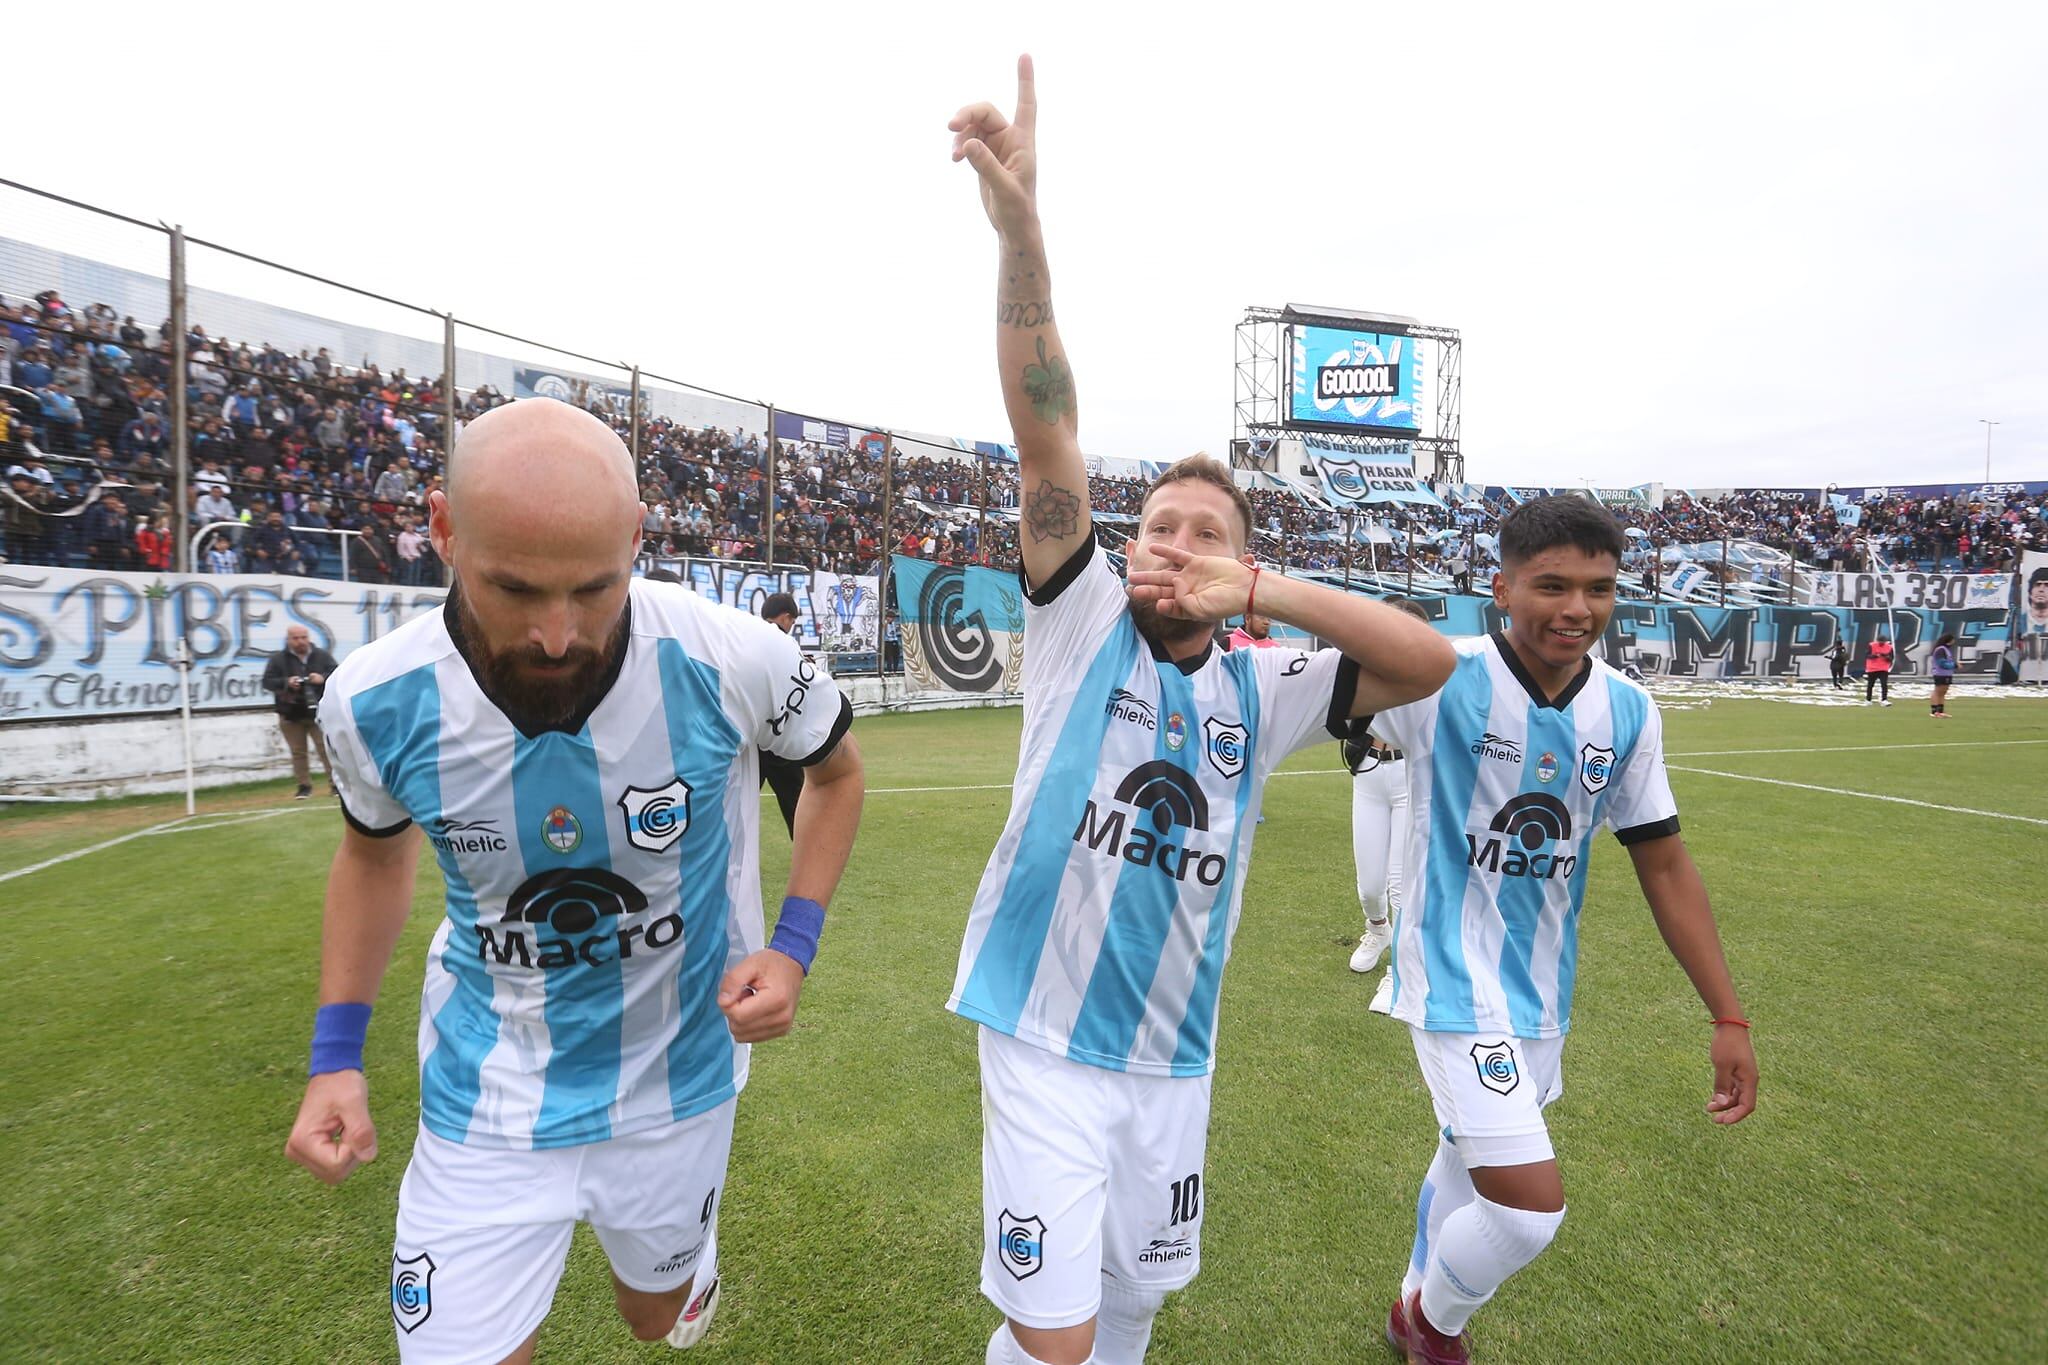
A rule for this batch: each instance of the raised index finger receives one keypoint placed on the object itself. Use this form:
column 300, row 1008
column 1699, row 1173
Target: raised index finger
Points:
column 1027, row 94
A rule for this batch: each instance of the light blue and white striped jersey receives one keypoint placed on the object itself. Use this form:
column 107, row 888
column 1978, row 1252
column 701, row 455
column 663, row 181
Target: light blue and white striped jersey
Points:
column 1506, row 789
column 602, row 876
column 1103, row 921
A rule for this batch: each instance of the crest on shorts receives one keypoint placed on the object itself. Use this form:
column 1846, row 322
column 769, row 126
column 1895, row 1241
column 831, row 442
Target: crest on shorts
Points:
column 1226, row 746
column 656, row 816
column 412, row 1299
column 1497, row 1069
column 1020, row 1244
column 1596, row 765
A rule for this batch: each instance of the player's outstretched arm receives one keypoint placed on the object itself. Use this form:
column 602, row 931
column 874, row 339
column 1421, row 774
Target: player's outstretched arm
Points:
column 1678, row 899
column 1399, row 658
column 759, row 994
column 1038, row 386
column 369, row 894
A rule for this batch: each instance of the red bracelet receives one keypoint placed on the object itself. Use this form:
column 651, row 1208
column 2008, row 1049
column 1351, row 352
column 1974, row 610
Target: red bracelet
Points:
column 1739, row 1023
column 1252, row 593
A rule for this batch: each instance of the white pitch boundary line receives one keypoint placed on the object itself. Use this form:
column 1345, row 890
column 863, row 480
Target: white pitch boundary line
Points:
column 182, row 825
column 1867, row 796
column 1858, row 748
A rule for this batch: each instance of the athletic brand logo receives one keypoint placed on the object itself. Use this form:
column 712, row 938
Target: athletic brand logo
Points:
column 1493, row 746
column 1515, row 844
column 682, row 1260
column 656, row 816
column 1225, row 744
column 1135, row 709
column 1020, row 1244
column 1176, row 731
column 412, row 1299
column 571, row 902
column 465, row 836
column 1497, row 1069
column 560, row 830
column 1546, row 767
column 1169, row 794
column 1596, row 765
column 1163, row 1252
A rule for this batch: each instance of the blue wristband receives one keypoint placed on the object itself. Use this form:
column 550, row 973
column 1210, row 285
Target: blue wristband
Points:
column 797, row 930
column 338, row 1033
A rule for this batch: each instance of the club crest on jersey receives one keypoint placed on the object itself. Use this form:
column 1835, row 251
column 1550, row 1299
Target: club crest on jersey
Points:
column 1546, row 767
column 1596, row 765
column 412, row 1300
column 560, row 830
column 656, row 816
column 1176, row 731
column 1020, row 1244
column 1225, row 744
column 1497, row 1069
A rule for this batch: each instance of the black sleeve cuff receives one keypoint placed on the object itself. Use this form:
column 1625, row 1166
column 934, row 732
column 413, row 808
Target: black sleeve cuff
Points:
column 1342, row 693
column 1043, row 595
column 840, row 726
column 1640, row 834
column 363, row 829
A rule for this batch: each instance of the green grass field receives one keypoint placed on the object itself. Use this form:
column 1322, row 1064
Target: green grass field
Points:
column 1888, row 1201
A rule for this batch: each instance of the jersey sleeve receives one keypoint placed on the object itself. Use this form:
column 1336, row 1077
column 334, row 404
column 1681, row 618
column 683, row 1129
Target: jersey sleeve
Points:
column 1304, row 699
column 1068, row 615
column 792, row 708
column 1642, row 806
column 366, row 804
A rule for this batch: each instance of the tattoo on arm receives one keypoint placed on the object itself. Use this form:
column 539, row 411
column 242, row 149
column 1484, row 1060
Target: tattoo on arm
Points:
column 1049, row 386
column 1035, row 314
column 1051, row 513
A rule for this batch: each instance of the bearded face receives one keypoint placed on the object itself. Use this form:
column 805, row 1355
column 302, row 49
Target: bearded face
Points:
column 529, row 685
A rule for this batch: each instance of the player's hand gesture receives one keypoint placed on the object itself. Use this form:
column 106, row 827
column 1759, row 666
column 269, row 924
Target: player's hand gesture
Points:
column 1195, row 587
column 1734, row 1076
column 333, row 1134
column 1004, row 154
column 759, row 996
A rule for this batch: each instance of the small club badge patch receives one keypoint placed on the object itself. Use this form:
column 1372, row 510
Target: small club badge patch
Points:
column 560, row 830
column 1596, row 766
column 656, row 816
column 412, row 1300
column 1021, row 1244
column 1497, row 1069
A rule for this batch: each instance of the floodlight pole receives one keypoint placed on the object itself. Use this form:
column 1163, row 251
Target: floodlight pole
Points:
column 1988, row 424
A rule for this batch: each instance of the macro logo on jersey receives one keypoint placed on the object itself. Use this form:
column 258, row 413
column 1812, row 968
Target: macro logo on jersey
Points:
column 565, row 917
column 656, row 816
column 1493, row 746
column 1497, row 1069
column 412, row 1299
column 1596, row 765
column 466, row 836
column 1020, row 1244
column 1174, row 802
column 560, row 830
column 1225, row 743
column 1129, row 706
column 1518, row 839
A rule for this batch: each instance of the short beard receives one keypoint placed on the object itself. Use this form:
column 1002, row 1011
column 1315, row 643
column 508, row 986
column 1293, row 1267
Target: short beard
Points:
column 1167, row 631
column 545, row 701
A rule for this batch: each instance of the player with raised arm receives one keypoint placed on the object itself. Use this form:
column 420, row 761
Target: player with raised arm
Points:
column 579, row 747
column 1530, row 748
column 1095, row 946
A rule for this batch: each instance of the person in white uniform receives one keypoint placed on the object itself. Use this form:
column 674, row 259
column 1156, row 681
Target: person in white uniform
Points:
column 1379, row 835
column 1094, row 951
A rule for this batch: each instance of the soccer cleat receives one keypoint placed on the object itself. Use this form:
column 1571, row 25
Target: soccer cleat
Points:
column 696, row 1320
column 1372, row 945
column 1886, row 702
column 1423, row 1344
column 1383, row 998
column 303, row 792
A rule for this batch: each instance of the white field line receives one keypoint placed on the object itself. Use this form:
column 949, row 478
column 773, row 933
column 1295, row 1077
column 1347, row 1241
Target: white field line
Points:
column 1858, row 748
column 182, row 825
column 1867, row 796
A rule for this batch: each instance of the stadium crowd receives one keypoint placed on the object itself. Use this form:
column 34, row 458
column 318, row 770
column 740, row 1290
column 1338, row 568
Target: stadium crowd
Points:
column 288, row 450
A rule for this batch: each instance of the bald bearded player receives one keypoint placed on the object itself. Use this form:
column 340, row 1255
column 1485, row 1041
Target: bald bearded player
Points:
column 579, row 748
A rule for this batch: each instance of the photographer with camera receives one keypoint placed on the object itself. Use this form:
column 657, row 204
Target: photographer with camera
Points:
column 295, row 676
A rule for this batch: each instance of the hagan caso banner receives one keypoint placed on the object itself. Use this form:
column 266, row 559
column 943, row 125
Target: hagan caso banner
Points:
column 1356, row 380
column 1352, row 478
column 963, row 628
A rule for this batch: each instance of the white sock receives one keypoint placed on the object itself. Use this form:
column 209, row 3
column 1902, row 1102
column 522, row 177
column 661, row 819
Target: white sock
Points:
column 1123, row 1325
column 1004, row 1350
column 1445, row 1189
column 1479, row 1247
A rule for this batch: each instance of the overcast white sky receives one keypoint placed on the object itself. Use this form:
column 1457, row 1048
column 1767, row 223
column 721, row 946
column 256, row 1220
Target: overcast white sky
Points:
column 1781, row 243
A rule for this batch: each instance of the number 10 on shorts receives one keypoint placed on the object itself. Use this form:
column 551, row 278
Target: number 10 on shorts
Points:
column 1187, row 1199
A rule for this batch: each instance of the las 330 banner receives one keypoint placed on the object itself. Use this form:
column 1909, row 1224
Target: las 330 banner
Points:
column 1932, row 591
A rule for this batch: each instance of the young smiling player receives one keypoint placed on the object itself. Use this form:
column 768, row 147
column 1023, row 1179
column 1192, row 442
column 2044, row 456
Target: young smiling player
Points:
column 1524, row 754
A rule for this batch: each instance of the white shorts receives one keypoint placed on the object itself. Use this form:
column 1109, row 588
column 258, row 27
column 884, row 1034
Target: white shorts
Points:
column 1489, row 1090
column 483, row 1232
column 1085, row 1173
